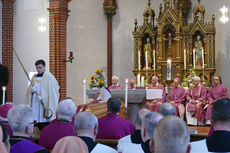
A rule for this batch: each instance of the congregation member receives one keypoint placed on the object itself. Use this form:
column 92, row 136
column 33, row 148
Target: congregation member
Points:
column 4, row 109
column 70, row 144
column 112, row 126
column 43, row 88
column 61, row 127
column 217, row 91
column 196, row 97
column 4, row 140
column 86, row 126
column 219, row 141
column 167, row 109
column 21, row 121
column 115, row 83
column 132, row 84
column 136, row 136
column 177, row 97
column 171, row 135
column 155, row 104
column 147, row 131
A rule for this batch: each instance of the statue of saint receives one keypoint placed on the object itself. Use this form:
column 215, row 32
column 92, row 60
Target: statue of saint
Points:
column 148, row 54
column 198, row 49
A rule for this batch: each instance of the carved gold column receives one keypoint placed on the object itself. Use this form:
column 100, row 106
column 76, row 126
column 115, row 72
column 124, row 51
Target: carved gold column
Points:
column 110, row 7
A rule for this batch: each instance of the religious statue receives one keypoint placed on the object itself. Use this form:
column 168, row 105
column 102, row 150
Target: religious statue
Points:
column 148, row 55
column 198, row 52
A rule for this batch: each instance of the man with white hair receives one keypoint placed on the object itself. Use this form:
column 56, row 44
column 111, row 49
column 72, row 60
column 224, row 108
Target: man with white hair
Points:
column 86, row 126
column 21, row 121
column 147, row 130
column 196, row 97
column 61, row 127
column 171, row 135
column 115, row 83
column 167, row 109
column 136, row 136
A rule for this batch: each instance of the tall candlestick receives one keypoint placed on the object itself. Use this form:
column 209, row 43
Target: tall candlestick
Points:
column 203, row 58
column 3, row 94
column 138, row 80
column 142, row 81
column 185, row 58
column 139, row 60
column 126, row 93
column 194, row 58
column 84, row 91
column 146, row 60
column 169, row 65
column 154, row 59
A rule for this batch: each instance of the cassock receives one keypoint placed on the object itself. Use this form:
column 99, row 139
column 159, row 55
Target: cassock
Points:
column 47, row 87
column 135, row 148
column 94, row 147
column 215, row 93
column 24, row 145
column 132, row 138
column 53, row 132
column 178, row 94
column 112, row 126
column 195, row 112
column 154, row 107
column 4, row 109
column 117, row 86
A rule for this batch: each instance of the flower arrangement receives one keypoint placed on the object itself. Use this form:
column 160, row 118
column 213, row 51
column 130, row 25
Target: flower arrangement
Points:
column 97, row 80
column 188, row 82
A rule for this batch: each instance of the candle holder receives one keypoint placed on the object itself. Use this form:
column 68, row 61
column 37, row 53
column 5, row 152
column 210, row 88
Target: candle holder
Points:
column 70, row 58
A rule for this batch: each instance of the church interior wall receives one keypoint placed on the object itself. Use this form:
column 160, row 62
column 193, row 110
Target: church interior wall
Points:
column 87, row 38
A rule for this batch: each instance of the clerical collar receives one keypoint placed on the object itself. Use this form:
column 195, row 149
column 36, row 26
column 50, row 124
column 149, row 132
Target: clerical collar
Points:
column 40, row 75
column 156, row 84
column 89, row 142
column 63, row 121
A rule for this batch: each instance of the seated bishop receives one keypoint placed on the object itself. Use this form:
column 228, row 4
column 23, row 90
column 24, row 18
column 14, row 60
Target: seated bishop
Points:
column 217, row 91
column 155, row 104
column 115, row 83
column 196, row 97
column 132, row 84
column 177, row 97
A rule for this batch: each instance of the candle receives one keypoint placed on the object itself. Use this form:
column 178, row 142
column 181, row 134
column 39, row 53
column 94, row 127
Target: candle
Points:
column 139, row 60
column 146, row 60
column 185, row 59
column 138, row 80
column 142, row 81
column 71, row 54
column 84, row 91
column 126, row 93
column 203, row 58
column 154, row 59
column 169, row 69
column 3, row 94
column 194, row 58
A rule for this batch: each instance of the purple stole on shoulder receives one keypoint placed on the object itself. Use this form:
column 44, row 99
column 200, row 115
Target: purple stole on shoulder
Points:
column 25, row 146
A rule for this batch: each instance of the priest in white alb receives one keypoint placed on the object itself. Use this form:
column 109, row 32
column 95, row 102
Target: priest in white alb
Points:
column 43, row 88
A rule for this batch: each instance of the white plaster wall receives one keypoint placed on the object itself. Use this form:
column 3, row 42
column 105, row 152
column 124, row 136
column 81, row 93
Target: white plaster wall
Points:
column 30, row 44
column 87, row 38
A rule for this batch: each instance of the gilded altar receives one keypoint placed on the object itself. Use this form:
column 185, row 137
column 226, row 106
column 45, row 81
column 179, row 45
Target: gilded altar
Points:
column 169, row 46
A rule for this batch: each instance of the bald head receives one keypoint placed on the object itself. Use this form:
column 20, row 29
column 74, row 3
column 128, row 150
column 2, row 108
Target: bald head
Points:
column 171, row 135
column 167, row 109
column 140, row 116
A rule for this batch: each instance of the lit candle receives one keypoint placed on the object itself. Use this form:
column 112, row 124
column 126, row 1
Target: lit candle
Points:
column 146, row 60
column 84, row 90
column 71, row 54
column 185, row 59
column 126, row 92
column 194, row 58
column 139, row 60
column 3, row 94
column 203, row 58
column 169, row 69
column 154, row 59
column 138, row 80
column 142, row 81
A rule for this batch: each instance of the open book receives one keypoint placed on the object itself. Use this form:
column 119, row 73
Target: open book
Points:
column 153, row 94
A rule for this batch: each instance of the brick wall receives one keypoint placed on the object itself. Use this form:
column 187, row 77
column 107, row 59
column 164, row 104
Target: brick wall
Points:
column 7, row 43
column 58, row 14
